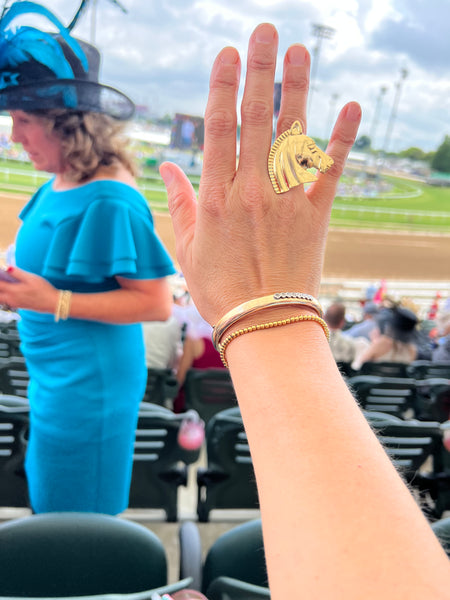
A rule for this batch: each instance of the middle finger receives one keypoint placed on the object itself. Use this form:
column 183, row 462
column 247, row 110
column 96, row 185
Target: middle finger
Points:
column 257, row 103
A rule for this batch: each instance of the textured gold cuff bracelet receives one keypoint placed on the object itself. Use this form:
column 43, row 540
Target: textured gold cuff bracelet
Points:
column 63, row 306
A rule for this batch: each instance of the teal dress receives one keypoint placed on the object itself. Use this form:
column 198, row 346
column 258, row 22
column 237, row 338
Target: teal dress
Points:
column 87, row 378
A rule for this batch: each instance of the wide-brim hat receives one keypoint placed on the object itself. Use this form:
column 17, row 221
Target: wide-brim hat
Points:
column 43, row 71
column 401, row 325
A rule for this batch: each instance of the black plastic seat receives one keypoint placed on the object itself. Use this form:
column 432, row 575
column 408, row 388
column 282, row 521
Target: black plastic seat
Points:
column 228, row 481
column 393, row 395
column 426, row 369
column 79, row 554
column 14, row 377
column 416, row 449
column 14, row 423
column 209, row 391
column 433, row 399
column 384, row 369
column 159, row 462
column 161, row 386
column 234, row 567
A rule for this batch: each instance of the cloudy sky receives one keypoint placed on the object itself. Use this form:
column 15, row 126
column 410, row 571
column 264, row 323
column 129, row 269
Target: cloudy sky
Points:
column 160, row 53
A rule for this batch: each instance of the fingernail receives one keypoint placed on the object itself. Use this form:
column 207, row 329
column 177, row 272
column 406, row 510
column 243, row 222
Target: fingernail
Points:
column 353, row 112
column 10, row 269
column 264, row 34
column 229, row 56
column 297, row 55
column 166, row 173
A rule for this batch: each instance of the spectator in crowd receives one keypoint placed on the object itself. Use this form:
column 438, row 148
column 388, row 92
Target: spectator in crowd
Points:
column 441, row 352
column 163, row 343
column 345, row 349
column 398, row 338
column 198, row 353
column 367, row 325
column 90, row 268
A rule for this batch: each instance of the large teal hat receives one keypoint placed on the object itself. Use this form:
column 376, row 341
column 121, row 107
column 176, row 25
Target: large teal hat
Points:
column 41, row 70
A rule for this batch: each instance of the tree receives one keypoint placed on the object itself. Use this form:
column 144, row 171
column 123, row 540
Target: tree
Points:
column 441, row 159
column 413, row 153
column 363, row 142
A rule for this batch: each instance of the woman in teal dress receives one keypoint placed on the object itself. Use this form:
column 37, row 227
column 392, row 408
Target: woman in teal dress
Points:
column 89, row 269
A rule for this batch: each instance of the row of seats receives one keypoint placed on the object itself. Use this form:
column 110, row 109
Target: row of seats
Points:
column 423, row 399
column 207, row 390
column 418, row 369
column 159, row 467
column 94, row 556
column 417, row 448
column 9, row 341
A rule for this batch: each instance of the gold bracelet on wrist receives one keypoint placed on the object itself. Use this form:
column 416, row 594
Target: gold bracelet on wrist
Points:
column 297, row 319
column 252, row 306
column 63, row 307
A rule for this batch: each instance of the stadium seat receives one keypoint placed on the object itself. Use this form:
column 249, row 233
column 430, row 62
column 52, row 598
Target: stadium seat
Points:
column 234, row 567
column 159, row 462
column 14, row 423
column 393, row 395
column 14, row 377
column 228, row 481
column 384, row 369
column 56, row 555
column 425, row 369
column 161, row 387
column 209, row 391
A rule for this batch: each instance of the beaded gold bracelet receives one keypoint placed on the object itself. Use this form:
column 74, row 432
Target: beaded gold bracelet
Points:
column 258, row 304
column 63, row 307
column 297, row 319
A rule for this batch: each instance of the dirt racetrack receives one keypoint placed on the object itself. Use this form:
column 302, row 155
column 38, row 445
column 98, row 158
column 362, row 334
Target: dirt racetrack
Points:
column 350, row 254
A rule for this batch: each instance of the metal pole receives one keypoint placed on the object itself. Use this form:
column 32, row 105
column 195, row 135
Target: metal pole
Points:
column 393, row 115
column 322, row 32
column 331, row 112
column 376, row 116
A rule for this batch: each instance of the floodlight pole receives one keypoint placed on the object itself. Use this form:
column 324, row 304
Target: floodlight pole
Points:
column 376, row 116
column 321, row 32
column 393, row 115
column 331, row 112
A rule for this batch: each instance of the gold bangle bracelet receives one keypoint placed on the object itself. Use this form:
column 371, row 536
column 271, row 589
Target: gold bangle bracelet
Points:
column 258, row 304
column 63, row 307
column 297, row 319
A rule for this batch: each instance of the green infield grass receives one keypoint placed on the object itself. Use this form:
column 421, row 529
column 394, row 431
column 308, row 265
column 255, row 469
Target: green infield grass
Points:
column 398, row 204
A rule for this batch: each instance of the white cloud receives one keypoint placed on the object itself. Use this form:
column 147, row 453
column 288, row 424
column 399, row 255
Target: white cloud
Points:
column 160, row 53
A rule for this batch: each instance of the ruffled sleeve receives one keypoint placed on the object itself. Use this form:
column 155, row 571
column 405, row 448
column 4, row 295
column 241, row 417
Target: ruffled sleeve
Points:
column 111, row 237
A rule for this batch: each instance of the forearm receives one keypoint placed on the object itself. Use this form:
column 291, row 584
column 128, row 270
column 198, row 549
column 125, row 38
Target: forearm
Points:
column 119, row 306
column 343, row 507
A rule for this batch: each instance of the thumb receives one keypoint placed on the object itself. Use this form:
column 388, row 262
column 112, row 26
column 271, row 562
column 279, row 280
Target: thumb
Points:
column 182, row 207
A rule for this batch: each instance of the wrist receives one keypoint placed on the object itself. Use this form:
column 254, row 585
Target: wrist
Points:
column 304, row 317
column 62, row 310
column 297, row 346
column 235, row 317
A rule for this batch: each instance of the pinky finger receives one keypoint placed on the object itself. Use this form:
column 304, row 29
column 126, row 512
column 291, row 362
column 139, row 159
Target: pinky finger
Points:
column 341, row 142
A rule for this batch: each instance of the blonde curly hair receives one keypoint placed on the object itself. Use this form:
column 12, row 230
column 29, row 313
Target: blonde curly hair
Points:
column 89, row 141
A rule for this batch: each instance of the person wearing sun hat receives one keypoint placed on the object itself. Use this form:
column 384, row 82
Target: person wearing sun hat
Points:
column 398, row 339
column 89, row 268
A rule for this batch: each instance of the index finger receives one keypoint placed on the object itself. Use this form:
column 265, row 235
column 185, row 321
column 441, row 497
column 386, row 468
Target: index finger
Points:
column 219, row 155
